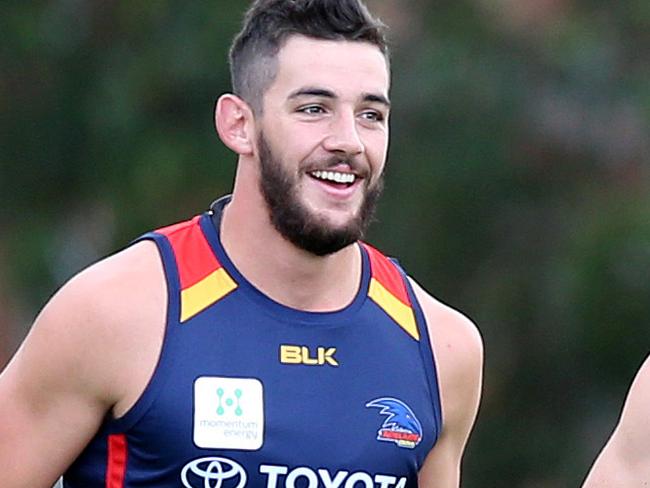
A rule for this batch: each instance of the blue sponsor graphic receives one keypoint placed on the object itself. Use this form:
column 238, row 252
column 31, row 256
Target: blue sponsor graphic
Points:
column 401, row 426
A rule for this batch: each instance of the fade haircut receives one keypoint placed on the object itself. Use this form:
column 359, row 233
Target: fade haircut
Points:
column 269, row 23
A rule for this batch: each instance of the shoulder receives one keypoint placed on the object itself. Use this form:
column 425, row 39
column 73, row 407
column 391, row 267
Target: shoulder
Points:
column 111, row 289
column 640, row 389
column 458, row 353
column 444, row 323
column 452, row 333
column 93, row 326
column 90, row 352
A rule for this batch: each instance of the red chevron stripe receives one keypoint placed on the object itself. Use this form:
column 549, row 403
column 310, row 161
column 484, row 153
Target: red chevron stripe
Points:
column 386, row 273
column 193, row 253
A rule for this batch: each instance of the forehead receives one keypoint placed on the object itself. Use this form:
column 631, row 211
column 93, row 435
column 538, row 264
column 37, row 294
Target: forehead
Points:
column 345, row 67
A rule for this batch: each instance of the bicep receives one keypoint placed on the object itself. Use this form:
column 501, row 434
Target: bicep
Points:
column 441, row 468
column 50, row 404
column 40, row 435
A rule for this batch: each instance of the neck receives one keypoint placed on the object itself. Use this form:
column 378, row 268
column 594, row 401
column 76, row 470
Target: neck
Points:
column 287, row 274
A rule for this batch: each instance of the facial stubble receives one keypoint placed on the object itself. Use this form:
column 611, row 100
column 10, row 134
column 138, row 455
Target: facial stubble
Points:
column 298, row 224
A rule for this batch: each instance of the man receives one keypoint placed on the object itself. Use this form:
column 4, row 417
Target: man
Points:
column 260, row 344
column 625, row 459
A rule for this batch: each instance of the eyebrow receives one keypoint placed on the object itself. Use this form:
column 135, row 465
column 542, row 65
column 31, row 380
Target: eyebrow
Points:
column 322, row 92
column 372, row 97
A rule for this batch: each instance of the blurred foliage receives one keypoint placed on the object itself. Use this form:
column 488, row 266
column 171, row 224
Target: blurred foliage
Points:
column 517, row 189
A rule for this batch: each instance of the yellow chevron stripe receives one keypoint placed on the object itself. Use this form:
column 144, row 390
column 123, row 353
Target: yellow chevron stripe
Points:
column 400, row 312
column 201, row 295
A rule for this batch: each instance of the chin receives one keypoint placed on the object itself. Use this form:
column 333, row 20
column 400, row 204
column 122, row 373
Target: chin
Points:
column 336, row 222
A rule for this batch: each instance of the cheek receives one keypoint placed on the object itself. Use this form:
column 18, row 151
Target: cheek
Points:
column 377, row 151
column 294, row 143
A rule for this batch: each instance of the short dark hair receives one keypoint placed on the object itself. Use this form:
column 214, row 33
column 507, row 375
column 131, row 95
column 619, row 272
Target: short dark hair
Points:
column 269, row 23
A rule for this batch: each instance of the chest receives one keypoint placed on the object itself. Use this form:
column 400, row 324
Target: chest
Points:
column 291, row 403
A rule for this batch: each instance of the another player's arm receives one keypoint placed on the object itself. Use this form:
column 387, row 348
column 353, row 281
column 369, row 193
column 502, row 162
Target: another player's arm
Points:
column 458, row 351
column 69, row 372
column 625, row 459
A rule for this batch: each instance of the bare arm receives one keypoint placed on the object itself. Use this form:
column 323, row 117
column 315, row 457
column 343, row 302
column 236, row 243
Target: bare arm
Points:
column 458, row 351
column 66, row 376
column 625, row 459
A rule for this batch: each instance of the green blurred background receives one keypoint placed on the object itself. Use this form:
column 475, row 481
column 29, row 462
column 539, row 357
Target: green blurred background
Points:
column 517, row 188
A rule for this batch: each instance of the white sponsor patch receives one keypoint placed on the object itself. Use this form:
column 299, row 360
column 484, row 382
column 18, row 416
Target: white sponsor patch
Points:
column 228, row 413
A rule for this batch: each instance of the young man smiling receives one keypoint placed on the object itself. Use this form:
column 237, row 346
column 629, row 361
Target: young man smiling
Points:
column 260, row 344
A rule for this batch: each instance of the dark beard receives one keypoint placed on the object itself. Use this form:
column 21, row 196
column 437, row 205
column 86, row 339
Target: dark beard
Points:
column 296, row 223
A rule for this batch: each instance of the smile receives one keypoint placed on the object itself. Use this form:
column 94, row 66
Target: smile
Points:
column 334, row 176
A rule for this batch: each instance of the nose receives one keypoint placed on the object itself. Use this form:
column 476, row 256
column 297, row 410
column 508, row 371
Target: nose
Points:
column 344, row 135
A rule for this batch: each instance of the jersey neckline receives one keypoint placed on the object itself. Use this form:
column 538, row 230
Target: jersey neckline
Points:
column 210, row 223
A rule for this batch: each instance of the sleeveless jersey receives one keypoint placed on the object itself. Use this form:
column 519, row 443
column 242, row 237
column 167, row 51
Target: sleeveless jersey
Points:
column 250, row 393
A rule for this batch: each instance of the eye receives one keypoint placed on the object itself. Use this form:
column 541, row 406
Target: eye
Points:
column 373, row 116
column 311, row 109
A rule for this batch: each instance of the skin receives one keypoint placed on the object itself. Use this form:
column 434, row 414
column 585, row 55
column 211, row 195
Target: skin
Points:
column 94, row 346
column 625, row 459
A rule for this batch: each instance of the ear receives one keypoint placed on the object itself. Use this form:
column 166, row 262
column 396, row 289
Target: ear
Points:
column 233, row 120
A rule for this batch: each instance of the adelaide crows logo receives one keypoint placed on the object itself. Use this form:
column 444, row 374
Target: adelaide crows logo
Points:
column 401, row 426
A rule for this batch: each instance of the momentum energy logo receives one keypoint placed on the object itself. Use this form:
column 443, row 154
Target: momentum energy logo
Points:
column 216, row 472
column 228, row 413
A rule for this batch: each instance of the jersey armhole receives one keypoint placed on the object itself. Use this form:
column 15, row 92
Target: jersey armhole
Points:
column 427, row 355
column 164, row 363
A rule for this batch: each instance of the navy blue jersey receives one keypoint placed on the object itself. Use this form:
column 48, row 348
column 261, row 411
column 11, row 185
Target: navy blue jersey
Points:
column 250, row 393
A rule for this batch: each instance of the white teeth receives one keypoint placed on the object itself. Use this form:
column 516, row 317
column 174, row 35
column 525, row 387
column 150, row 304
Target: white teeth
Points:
column 335, row 176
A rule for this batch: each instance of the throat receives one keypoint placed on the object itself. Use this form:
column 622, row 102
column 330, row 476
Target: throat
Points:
column 284, row 272
column 319, row 284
